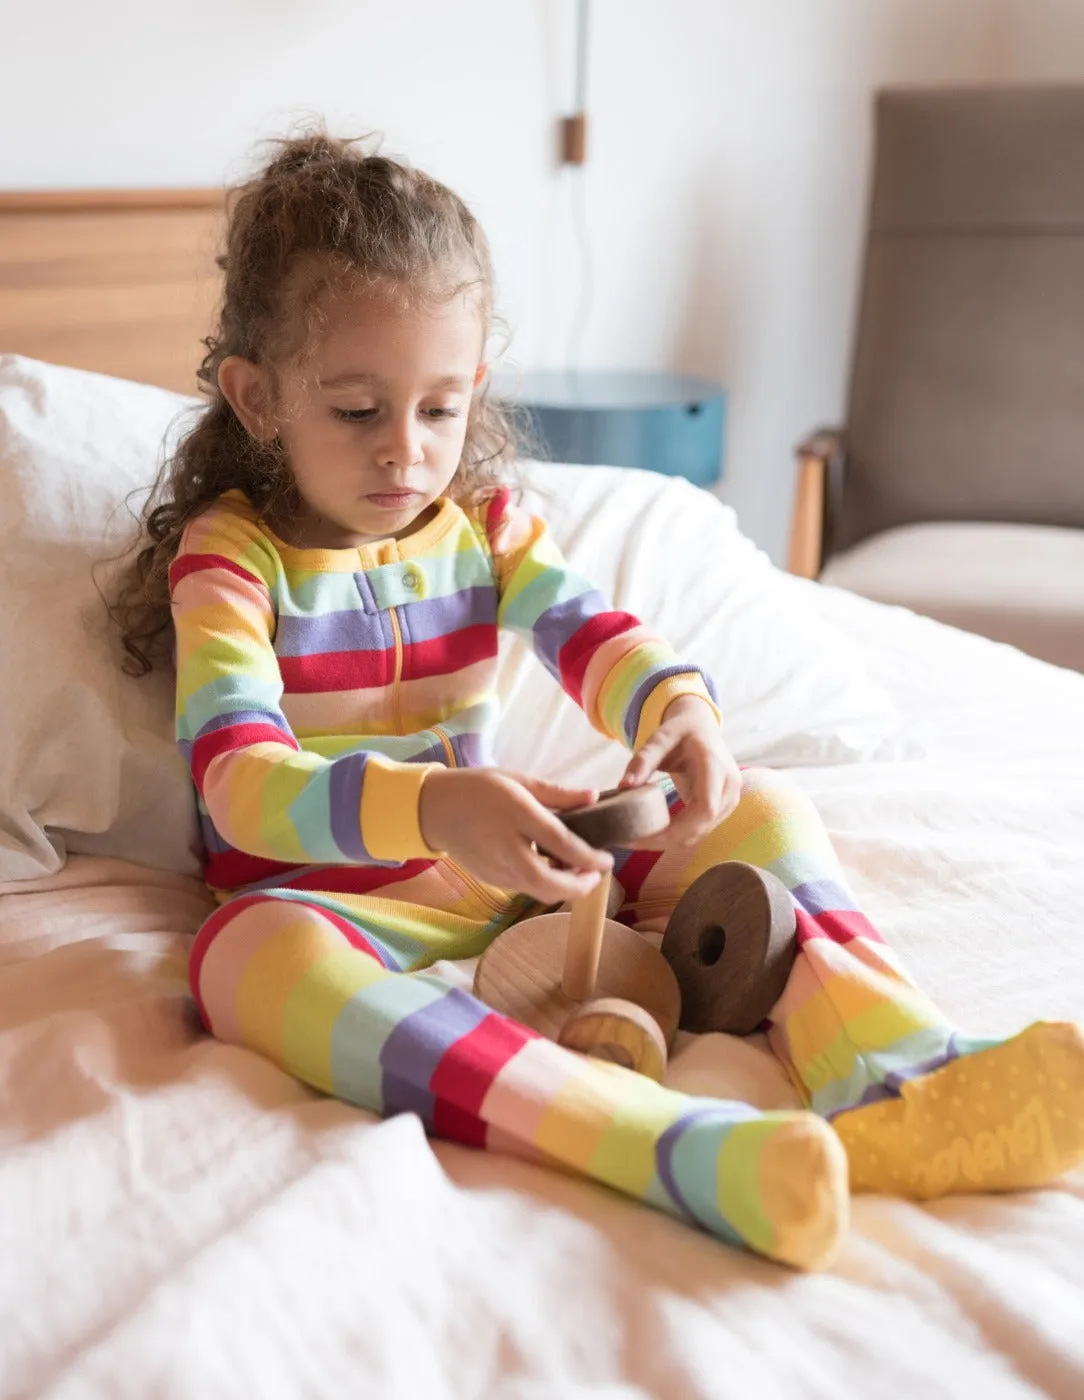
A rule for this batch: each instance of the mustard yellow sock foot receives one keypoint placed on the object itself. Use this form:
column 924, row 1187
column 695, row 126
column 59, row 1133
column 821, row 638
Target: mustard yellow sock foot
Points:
column 803, row 1191
column 1003, row 1119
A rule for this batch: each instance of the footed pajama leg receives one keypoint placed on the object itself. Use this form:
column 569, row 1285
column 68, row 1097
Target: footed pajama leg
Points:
column 308, row 988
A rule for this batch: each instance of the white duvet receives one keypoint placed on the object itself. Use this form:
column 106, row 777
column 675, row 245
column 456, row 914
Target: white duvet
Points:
column 179, row 1219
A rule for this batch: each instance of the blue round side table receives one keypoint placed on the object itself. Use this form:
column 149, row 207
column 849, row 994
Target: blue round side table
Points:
column 665, row 423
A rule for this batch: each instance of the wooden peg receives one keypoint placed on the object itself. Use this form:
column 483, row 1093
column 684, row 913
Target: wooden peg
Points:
column 586, row 923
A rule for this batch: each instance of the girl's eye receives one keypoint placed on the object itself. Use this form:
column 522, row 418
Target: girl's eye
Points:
column 354, row 415
column 442, row 413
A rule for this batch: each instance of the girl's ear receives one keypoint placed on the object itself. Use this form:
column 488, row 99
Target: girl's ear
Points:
column 243, row 388
column 480, row 374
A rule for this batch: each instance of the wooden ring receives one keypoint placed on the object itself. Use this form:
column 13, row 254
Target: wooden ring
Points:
column 731, row 942
column 609, row 1028
column 620, row 817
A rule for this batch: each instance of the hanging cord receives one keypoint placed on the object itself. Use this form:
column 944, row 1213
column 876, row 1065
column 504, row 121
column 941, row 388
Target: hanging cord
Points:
column 580, row 222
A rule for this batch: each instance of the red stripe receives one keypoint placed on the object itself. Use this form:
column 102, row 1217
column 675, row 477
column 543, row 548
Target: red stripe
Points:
column 202, row 942
column 839, row 925
column 234, row 736
column 455, row 651
column 575, row 656
column 197, row 563
column 466, row 1073
column 328, row 671
column 456, row 1125
column 358, row 879
column 233, row 869
column 497, row 508
column 634, row 871
column 336, row 670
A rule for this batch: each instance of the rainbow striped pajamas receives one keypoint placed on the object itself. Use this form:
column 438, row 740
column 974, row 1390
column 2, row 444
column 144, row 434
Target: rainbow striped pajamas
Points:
column 315, row 689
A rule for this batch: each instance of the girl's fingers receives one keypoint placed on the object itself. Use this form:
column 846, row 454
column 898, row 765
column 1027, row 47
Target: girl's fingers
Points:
column 552, row 886
column 645, row 763
column 556, row 795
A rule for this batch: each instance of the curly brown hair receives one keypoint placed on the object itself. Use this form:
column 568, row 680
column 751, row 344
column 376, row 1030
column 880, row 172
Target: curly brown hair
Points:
column 323, row 214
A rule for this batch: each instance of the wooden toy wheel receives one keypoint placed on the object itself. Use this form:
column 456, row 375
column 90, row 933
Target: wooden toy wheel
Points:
column 731, row 942
column 619, row 817
column 619, row 1031
column 521, row 974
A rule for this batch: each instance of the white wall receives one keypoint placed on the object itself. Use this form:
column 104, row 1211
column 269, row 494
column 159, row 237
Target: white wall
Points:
column 728, row 150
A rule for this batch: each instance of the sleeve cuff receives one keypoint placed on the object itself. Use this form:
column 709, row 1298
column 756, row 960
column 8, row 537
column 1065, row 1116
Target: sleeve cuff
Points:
column 664, row 694
column 390, row 822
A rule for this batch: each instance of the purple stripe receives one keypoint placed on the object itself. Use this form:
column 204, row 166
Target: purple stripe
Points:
column 557, row 624
column 667, row 1145
column 646, row 686
column 893, row 1082
column 419, row 1043
column 400, row 1096
column 439, row 617
column 348, row 629
column 823, row 897
column 346, row 777
column 351, row 629
column 435, row 753
column 213, row 843
column 471, row 750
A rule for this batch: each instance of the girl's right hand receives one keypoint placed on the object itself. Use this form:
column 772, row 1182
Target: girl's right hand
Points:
column 493, row 823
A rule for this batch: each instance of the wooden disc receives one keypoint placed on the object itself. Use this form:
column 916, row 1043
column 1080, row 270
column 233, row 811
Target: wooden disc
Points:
column 607, row 1028
column 620, row 817
column 731, row 943
column 520, row 974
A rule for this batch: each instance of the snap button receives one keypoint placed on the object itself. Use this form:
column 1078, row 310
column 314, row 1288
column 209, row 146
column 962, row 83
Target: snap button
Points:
column 412, row 582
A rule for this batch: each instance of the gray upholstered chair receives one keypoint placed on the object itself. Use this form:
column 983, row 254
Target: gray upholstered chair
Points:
column 956, row 487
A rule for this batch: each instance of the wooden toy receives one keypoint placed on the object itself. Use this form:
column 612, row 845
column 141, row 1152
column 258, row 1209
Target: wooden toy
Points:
column 556, row 967
column 618, row 1031
column 592, row 984
column 731, row 943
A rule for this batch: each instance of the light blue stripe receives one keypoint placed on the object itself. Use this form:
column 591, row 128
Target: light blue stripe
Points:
column 551, row 587
column 238, row 690
column 309, row 813
column 362, row 1029
column 874, row 1067
column 694, row 1164
column 308, row 595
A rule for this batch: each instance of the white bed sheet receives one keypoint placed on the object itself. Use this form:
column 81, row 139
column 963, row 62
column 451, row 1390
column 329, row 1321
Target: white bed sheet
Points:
column 179, row 1219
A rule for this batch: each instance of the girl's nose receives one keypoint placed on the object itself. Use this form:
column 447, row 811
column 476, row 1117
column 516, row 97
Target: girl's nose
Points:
column 402, row 444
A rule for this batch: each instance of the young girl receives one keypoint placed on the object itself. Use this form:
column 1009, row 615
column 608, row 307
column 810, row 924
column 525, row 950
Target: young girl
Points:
column 340, row 556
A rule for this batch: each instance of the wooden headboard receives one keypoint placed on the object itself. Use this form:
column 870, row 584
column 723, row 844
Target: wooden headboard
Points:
column 119, row 281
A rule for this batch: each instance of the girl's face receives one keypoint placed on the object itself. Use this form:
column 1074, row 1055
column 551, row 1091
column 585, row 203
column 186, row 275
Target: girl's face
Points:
column 376, row 420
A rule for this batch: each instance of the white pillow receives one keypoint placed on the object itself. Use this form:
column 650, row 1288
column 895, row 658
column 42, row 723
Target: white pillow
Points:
column 792, row 689
column 87, row 757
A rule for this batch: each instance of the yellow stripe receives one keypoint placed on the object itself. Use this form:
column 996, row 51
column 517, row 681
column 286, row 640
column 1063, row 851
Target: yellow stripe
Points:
column 390, row 796
column 270, row 976
column 311, row 1011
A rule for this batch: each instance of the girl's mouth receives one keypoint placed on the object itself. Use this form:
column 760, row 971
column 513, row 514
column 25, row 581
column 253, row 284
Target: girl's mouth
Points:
column 394, row 500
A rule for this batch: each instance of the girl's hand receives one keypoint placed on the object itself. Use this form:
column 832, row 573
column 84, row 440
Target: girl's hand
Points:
column 491, row 822
column 688, row 745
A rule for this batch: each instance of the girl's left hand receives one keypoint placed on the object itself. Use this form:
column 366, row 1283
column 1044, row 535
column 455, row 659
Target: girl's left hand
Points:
column 688, row 745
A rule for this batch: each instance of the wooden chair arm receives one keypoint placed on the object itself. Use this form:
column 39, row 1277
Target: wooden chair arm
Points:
column 820, row 467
